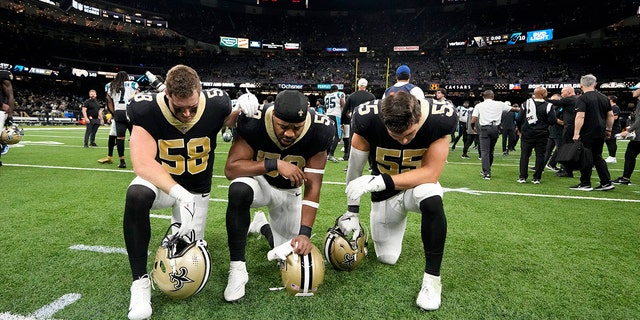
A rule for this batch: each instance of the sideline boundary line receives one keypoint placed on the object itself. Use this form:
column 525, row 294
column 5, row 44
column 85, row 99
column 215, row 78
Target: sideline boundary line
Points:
column 463, row 190
column 480, row 192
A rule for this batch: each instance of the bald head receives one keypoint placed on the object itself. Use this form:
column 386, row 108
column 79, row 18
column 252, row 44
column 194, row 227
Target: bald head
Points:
column 488, row 94
column 539, row 93
column 567, row 91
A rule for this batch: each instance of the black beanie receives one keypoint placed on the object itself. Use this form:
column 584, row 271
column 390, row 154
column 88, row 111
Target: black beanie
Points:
column 291, row 106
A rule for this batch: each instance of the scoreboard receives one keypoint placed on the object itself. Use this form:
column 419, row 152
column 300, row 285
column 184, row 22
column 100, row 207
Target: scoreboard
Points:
column 503, row 39
column 516, row 37
column 498, row 39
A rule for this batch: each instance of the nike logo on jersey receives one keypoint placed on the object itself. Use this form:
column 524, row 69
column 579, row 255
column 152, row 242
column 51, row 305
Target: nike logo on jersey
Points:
column 298, row 194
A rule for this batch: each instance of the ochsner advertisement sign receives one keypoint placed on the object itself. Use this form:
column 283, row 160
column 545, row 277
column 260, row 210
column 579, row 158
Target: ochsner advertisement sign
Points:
column 292, row 86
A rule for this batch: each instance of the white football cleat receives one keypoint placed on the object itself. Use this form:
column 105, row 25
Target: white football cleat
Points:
column 238, row 278
column 429, row 297
column 610, row 159
column 140, row 304
column 259, row 220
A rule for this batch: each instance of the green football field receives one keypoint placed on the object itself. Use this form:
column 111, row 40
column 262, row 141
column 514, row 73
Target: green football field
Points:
column 513, row 251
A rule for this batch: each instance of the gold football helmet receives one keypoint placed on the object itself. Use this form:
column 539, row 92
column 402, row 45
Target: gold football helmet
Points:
column 342, row 253
column 11, row 135
column 181, row 268
column 302, row 275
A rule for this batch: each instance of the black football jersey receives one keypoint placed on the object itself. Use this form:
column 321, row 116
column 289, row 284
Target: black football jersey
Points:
column 387, row 155
column 4, row 75
column 185, row 150
column 259, row 133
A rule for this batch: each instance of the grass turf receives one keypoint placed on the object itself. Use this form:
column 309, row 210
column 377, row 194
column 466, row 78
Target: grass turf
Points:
column 513, row 251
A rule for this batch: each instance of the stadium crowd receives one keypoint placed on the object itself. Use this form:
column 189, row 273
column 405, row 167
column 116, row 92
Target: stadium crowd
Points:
column 73, row 39
column 64, row 41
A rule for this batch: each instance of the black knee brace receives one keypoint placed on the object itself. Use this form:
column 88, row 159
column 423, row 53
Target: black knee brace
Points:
column 238, row 219
column 434, row 233
column 137, row 227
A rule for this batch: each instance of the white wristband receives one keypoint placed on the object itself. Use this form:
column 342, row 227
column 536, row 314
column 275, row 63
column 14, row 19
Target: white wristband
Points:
column 310, row 204
column 180, row 193
column 312, row 170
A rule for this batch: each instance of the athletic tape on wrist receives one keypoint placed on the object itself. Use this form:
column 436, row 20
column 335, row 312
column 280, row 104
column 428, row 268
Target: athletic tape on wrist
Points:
column 310, row 204
column 311, row 170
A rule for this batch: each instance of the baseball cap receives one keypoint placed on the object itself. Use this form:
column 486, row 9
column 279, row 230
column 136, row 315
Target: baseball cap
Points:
column 403, row 69
column 637, row 86
column 291, row 106
column 363, row 82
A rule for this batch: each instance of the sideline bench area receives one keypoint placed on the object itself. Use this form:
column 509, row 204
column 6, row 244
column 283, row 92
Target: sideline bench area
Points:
column 37, row 121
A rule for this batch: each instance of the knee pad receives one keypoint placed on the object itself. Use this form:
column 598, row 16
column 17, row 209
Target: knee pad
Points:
column 240, row 194
column 427, row 190
column 140, row 196
column 138, row 203
column 432, row 205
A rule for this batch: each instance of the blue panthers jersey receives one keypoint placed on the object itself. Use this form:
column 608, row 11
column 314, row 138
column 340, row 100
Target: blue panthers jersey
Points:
column 122, row 96
column 332, row 103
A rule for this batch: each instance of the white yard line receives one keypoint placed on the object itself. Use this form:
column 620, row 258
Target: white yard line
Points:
column 100, row 249
column 47, row 311
column 464, row 190
column 480, row 192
